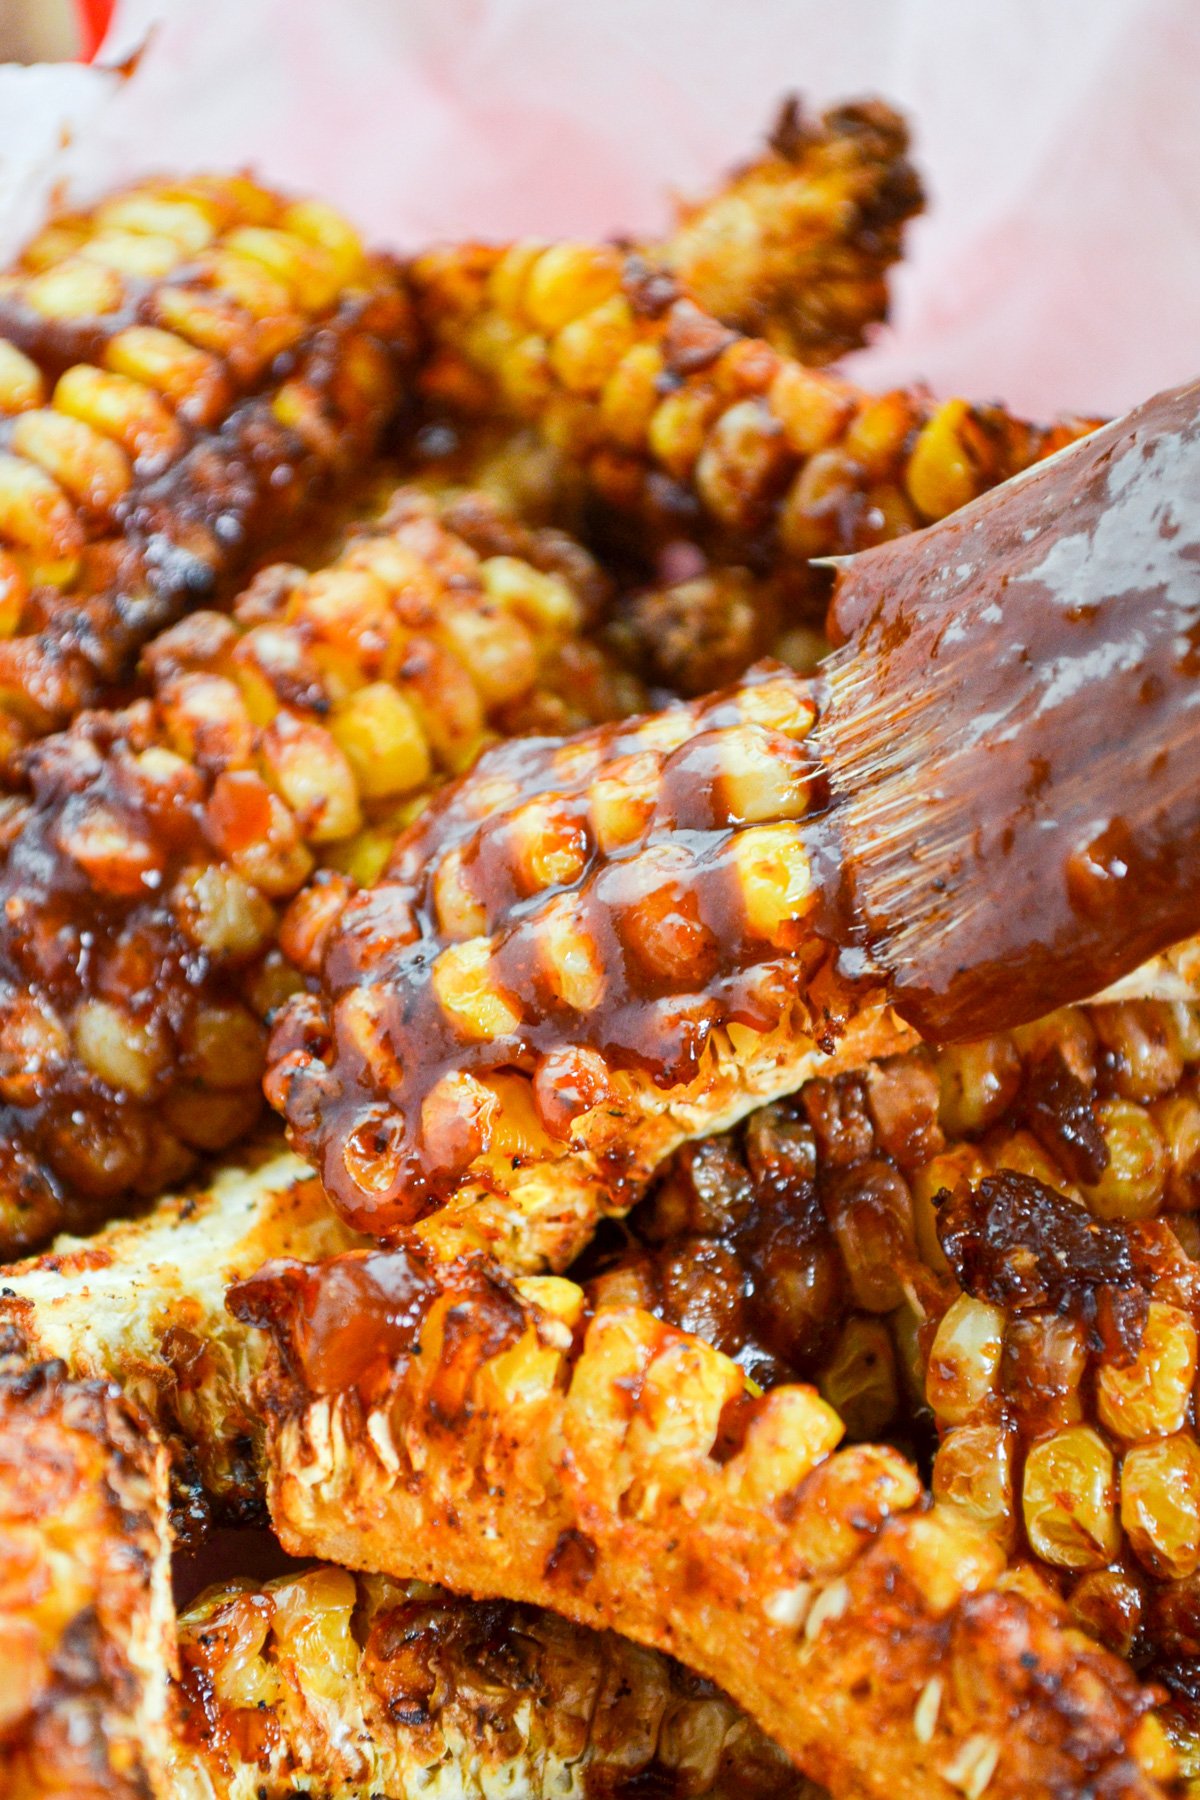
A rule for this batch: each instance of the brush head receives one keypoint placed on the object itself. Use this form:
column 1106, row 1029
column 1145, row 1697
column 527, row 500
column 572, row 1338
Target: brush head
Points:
column 1013, row 732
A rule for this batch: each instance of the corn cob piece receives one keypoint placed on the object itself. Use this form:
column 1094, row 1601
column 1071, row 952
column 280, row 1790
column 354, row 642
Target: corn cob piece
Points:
column 439, row 1420
column 1045, row 1313
column 357, row 1687
column 595, row 949
column 796, row 246
column 304, row 728
column 688, row 427
column 181, row 372
column 143, row 1303
column 86, row 1622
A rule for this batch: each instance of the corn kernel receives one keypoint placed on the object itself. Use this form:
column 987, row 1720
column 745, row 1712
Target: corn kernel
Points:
column 171, row 366
column 568, row 280
column 74, row 289
column 131, row 254
column 1132, row 1185
column 497, row 652
column 859, row 1379
column 1069, row 1500
column 381, row 737
column 973, row 1471
column 119, row 408
column 314, row 777
column 940, row 477
column 789, row 1437
column 35, row 514
column 190, row 224
column 125, row 1052
column 964, row 1359
column 813, row 409
column 319, row 224
column 977, row 1083
column 546, row 603
column 466, row 990
column 1149, row 1397
column 775, row 880
column 756, row 783
column 588, row 349
column 1160, row 1505
column 21, row 384
column 568, row 958
column 93, row 470
column 631, row 396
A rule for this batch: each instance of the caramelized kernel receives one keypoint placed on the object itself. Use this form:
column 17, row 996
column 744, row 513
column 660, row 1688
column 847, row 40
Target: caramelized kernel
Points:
column 973, row 1471
column 1069, row 1500
column 964, row 1360
column 1132, row 1185
column 1160, row 1505
column 1149, row 1396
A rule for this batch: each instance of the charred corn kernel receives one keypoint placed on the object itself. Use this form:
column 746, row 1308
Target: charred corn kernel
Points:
column 1160, row 1505
column 93, row 470
column 1149, row 1397
column 224, row 913
column 119, row 408
column 1132, row 1185
column 860, row 1380
column 381, row 737
column 124, row 1052
column 794, row 1432
column 1069, row 1500
column 466, row 990
column 973, row 1471
column 21, row 384
column 498, row 652
column 36, row 517
column 964, row 1360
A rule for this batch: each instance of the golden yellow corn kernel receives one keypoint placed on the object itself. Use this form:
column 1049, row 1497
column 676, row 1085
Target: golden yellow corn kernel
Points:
column 794, row 1431
column 496, row 651
column 777, row 706
column 21, row 384
column 976, row 1083
column 246, row 281
column 189, row 224
column 1046, row 1358
column 545, row 850
column 568, row 958
column 677, row 1412
column 964, row 1360
column 74, row 289
column 808, row 513
column 163, row 361
column 363, row 857
column 523, row 1375
column 223, row 913
column 507, row 279
column 567, row 280
column 774, row 879
column 380, row 735
column 1132, row 1185
column 447, row 704
column 546, row 603
column 1160, row 1505
column 813, row 409
column 319, row 224
column 313, row 1626
column 120, row 408
column 56, row 241
column 125, row 1052
column 679, row 428
column 207, row 721
column 307, row 767
column 1149, row 1397
column 1186, row 1016
column 756, row 784
column 212, row 322
column 940, row 477
column 1069, row 1500
column 876, row 435
column 587, row 350
column 564, row 1301
column 130, row 254
column 308, row 272
column 515, row 1131
column 859, row 1379
column 1145, row 1052
column 973, row 1471
column 631, row 396
column 14, row 594
column 466, row 990
column 964, row 1164
column 35, row 514
column 1069, row 1031
column 94, row 471
column 361, row 1016
column 622, row 802
column 226, row 1046
column 460, row 913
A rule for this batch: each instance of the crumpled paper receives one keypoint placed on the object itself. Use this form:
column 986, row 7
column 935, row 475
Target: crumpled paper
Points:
column 1059, row 266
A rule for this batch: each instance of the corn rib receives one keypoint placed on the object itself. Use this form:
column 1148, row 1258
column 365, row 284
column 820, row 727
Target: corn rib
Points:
column 163, row 838
column 623, row 1474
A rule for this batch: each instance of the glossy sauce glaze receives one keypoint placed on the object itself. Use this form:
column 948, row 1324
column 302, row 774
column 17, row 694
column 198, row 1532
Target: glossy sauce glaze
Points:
column 1014, row 732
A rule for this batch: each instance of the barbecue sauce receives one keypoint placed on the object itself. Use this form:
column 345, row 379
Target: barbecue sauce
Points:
column 1013, row 730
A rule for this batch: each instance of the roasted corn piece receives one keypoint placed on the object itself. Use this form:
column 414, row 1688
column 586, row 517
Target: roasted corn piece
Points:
column 439, row 1420
column 598, row 948
column 182, row 371
column 143, row 1303
column 163, row 838
column 357, row 1687
column 796, row 246
column 86, row 1622
column 690, row 428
